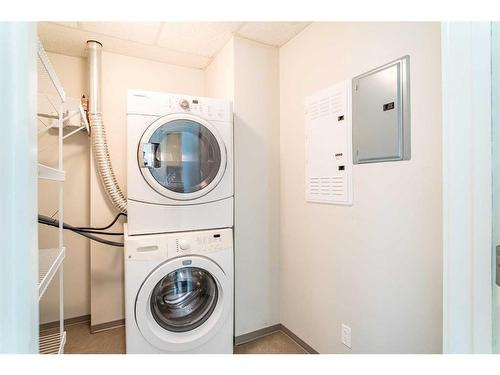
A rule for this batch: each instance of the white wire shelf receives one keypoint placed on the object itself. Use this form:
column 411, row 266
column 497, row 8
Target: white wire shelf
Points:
column 49, row 173
column 49, row 104
column 52, row 344
column 53, row 113
column 47, row 77
column 49, row 261
column 74, row 118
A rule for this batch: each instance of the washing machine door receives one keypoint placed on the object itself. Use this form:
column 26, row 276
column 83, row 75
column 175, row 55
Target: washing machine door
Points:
column 182, row 156
column 183, row 303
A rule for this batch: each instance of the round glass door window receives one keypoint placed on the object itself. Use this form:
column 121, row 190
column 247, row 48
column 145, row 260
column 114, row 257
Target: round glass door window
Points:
column 183, row 156
column 184, row 299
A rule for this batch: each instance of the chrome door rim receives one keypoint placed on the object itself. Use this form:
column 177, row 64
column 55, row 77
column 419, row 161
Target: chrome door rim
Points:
column 181, row 341
column 146, row 173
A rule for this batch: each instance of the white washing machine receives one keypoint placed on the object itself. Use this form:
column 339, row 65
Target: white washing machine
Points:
column 179, row 292
column 179, row 163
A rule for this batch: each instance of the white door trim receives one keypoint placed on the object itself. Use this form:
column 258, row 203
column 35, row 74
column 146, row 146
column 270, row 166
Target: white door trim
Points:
column 467, row 191
column 18, row 190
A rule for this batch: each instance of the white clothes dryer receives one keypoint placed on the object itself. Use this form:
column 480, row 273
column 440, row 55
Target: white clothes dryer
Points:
column 179, row 163
column 179, row 292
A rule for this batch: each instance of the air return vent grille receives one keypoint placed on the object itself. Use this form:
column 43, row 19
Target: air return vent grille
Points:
column 325, row 107
column 327, row 186
column 328, row 145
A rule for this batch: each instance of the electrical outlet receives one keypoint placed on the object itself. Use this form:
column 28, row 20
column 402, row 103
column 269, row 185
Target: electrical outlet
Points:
column 345, row 335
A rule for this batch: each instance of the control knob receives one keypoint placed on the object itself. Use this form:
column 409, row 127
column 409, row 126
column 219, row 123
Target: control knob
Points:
column 184, row 104
column 184, row 245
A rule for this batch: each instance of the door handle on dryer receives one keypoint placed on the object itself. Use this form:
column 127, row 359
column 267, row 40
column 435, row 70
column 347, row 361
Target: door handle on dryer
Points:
column 146, row 155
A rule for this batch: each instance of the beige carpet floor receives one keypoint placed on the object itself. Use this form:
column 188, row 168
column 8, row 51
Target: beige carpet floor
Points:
column 79, row 340
column 274, row 343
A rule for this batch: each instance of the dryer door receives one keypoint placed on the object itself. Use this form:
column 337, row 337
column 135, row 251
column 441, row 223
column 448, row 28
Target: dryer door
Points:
column 183, row 303
column 182, row 156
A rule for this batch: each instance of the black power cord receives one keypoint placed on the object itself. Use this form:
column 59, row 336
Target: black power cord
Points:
column 107, row 226
column 85, row 231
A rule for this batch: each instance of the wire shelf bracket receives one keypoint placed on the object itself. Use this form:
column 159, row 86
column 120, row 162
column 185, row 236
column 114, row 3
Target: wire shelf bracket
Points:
column 44, row 59
column 49, row 261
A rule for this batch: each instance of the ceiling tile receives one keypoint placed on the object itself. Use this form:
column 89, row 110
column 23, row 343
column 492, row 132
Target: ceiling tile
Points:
column 191, row 44
column 61, row 39
column 141, row 32
column 272, row 33
column 72, row 42
column 67, row 24
column 201, row 38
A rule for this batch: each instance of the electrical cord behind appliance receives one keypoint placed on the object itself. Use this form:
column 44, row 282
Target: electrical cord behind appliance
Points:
column 85, row 231
column 107, row 226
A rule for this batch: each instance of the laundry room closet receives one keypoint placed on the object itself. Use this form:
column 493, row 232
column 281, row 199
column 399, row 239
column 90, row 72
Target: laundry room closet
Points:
column 243, row 71
column 313, row 269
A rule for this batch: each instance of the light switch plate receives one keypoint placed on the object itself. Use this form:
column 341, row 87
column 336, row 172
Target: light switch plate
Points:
column 346, row 335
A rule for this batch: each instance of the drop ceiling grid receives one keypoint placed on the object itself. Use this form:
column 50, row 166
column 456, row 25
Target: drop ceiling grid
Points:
column 71, row 41
column 203, row 38
column 140, row 32
column 191, row 44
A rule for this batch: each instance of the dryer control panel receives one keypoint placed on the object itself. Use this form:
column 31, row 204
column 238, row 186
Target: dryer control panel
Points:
column 202, row 242
column 158, row 104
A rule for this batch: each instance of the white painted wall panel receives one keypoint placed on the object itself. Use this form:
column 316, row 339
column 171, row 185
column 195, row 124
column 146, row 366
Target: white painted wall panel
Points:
column 247, row 73
column 377, row 265
column 257, row 196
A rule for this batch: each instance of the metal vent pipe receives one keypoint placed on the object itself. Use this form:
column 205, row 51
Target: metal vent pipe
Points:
column 99, row 143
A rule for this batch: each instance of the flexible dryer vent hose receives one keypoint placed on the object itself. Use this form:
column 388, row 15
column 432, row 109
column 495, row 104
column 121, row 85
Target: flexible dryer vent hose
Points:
column 103, row 163
column 99, row 143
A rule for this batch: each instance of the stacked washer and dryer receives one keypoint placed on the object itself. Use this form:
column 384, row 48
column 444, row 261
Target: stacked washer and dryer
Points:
column 179, row 239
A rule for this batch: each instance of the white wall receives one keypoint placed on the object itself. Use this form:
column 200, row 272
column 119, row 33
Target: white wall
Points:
column 247, row 73
column 376, row 266
column 257, row 177
column 219, row 74
column 120, row 73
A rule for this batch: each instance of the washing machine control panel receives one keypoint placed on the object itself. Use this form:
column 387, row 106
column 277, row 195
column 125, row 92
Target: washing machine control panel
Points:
column 200, row 242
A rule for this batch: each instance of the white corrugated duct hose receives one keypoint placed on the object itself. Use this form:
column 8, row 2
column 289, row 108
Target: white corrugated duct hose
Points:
column 99, row 143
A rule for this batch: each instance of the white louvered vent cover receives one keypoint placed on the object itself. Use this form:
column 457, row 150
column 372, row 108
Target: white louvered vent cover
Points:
column 328, row 145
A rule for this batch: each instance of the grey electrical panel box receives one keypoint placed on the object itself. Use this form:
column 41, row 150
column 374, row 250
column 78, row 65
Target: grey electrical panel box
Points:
column 381, row 114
